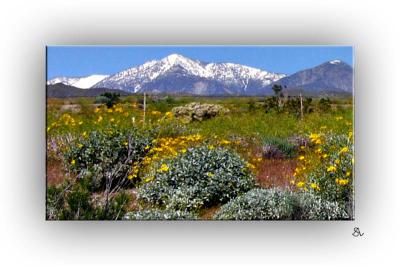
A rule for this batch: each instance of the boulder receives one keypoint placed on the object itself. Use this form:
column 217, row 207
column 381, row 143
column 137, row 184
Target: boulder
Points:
column 198, row 111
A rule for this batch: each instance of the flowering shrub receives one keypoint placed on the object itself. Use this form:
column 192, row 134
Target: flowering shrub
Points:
column 160, row 215
column 277, row 204
column 107, row 154
column 200, row 177
column 327, row 168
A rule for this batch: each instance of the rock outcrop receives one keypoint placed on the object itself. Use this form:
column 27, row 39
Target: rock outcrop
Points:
column 198, row 111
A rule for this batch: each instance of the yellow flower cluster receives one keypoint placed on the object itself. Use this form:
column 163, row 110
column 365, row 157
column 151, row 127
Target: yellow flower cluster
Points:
column 168, row 147
column 341, row 182
column 331, row 169
column 134, row 172
column 326, row 156
column 250, row 166
column 315, row 138
column 163, row 168
column 169, row 115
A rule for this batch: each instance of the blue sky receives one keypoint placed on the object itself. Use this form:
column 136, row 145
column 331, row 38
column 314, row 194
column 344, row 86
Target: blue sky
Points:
column 73, row 61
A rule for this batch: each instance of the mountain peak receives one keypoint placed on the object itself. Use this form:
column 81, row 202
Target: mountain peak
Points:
column 335, row 62
column 175, row 58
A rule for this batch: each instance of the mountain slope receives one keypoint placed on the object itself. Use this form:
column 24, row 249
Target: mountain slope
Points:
column 178, row 74
column 78, row 82
column 61, row 90
column 329, row 77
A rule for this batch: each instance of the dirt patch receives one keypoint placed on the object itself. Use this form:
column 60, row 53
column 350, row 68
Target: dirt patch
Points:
column 207, row 214
column 55, row 173
column 276, row 173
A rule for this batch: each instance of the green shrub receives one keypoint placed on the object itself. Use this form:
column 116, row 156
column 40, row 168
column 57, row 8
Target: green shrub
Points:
column 309, row 206
column 107, row 154
column 324, row 105
column 108, row 98
column 277, row 204
column 277, row 148
column 160, row 215
column 72, row 200
column 201, row 177
column 258, row 204
column 55, row 200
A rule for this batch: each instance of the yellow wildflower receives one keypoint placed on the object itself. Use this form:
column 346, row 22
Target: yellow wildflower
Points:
column 148, row 179
column 211, row 147
column 224, row 142
column 80, row 123
column 315, row 138
column 350, row 134
column 73, row 162
column 209, row 174
column 348, row 173
column 80, row 145
column 344, row 150
column 341, row 182
column 301, row 158
column 163, row 168
column 314, row 186
column 331, row 169
column 250, row 166
column 300, row 184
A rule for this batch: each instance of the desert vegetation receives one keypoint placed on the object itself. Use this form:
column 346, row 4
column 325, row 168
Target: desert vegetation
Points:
column 196, row 158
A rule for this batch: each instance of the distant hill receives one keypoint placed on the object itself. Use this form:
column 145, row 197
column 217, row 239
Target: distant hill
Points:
column 60, row 90
column 328, row 79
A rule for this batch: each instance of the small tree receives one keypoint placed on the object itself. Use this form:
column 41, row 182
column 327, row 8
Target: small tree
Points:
column 108, row 98
column 324, row 105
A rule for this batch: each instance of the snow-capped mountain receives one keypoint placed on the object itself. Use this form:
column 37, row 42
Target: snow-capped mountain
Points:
column 178, row 74
column 79, row 82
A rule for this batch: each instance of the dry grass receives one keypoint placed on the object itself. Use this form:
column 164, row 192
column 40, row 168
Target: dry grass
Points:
column 55, row 173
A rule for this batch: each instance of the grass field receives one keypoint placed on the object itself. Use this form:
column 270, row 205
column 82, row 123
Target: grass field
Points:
column 280, row 150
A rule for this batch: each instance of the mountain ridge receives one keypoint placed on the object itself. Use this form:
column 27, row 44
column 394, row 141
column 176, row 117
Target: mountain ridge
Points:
column 177, row 74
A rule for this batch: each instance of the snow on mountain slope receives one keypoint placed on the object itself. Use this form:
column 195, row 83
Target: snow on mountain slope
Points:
column 63, row 80
column 177, row 66
column 79, row 82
